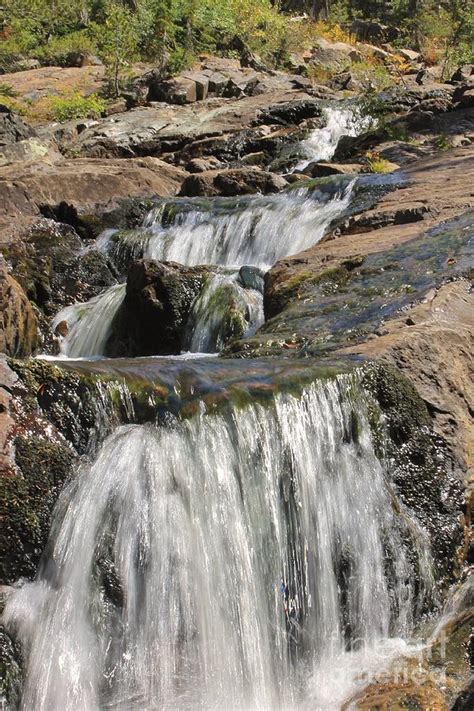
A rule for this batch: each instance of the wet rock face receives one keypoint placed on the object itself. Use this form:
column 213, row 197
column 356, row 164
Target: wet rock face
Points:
column 157, row 303
column 53, row 270
column 291, row 112
column 427, row 480
column 18, row 323
column 244, row 181
column 29, row 500
column 13, row 128
column 51, row 417
column 11, row 670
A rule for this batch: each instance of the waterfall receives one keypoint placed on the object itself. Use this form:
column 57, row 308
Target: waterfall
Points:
column 223, row 310
column 255, row 231
column 220, row 563
column 88, row 325
column 321, row 144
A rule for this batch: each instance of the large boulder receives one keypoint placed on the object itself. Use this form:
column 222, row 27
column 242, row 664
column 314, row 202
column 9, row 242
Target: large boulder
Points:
column 89, row 185
column 27, row 151
column 156, row 307
column 334, row 55
column 174, row 91
column 464, row 73
column 371, row 31
column 464, row 96
column 291, row 112
column 13, row 128
column 18, row 325
column 53, row 268
column 241, row 181
column 323, row 170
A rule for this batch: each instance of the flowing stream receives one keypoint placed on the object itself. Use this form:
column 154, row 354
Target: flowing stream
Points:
column 321, row 144
column 246, row 558
column 89, row 324
column 224, row 305
column 255, row 231
column 252, row 231
column 252, row 559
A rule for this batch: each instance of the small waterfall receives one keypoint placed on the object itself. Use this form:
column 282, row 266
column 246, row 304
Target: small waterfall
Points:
column 253, row 231
column 220, row 563
column 223, row 310
column 89, row 324
column 256, row 231
column 321, row 144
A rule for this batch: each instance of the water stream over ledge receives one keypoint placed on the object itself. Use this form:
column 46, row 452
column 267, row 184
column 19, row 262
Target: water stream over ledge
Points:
column 239, row 545
column 252, row 232
column 224, row 563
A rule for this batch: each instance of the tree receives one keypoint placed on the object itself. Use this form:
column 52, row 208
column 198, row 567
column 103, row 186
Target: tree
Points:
column 459, row 42
column 118, row 43
column 154, row 24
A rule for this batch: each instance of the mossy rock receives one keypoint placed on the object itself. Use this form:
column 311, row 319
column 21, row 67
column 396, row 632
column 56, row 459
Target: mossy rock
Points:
column 68, row 400
column 28, row 500
column 418, row 461
column 11, row 672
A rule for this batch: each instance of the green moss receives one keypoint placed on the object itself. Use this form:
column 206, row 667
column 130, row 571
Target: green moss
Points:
column 28, row 502
column 418, row 460
column 11, row 671
column 450, row 650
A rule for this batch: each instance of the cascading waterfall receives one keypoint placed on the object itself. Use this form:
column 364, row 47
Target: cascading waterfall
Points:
column 321, row 144
column 255, row 231
column 223, row 309
column 162, row 585
column 89, row 324
column 252, row 231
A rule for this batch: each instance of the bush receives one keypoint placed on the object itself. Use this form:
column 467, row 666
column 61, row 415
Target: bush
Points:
column 12, row 104
column 377, row 164
column 76, row 106
column 60, row 50
column 372, row 73
column 7, row 90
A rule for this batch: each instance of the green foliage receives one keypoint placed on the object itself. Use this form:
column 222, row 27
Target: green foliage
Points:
column 8, row 98
column 76, row 106
column 443, row 142
column 373, row 74
column 7, row 90
column 118, row 43
column 59, row 50
column 179, row 60
column 37, row 20
column 377, row 164
column 176, row 31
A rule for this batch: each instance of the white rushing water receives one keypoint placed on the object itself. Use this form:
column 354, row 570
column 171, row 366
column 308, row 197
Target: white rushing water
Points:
column 255, row 231
column 223, row 309
column 321, row 144
column 162, row 584
column 89, row 324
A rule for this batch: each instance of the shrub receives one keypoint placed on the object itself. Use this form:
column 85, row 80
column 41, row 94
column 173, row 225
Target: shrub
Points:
column 372, row 73
column 60, row 49
column 377, row 164
column 179, row 60
column 76, row 106
column 7, row 90
column 118, row 44
column 443, row 142
column 12, row 104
